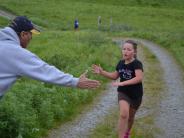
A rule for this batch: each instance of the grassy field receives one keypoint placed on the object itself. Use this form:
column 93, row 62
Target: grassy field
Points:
column 162, row 24
column 75, row 51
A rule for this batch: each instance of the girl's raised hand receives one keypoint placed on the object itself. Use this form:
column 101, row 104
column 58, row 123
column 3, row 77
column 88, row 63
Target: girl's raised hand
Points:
column 96, row 69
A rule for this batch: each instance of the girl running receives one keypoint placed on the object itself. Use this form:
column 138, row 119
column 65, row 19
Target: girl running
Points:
column 130, row 89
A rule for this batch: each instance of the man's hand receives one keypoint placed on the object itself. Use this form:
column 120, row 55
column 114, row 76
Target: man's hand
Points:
column 85, row 83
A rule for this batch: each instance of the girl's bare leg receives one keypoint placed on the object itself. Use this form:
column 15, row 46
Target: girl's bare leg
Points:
column 123, row 118
column 132, row 112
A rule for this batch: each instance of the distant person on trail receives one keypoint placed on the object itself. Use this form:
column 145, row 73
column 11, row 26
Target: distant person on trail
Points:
column 16, row 61
column 130, row 90
column 76, row 24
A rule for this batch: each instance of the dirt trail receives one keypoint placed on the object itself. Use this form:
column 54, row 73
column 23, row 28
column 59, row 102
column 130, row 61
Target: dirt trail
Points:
column 170, row 118
column 7, row 15
column 82, row 125
column 11, row 16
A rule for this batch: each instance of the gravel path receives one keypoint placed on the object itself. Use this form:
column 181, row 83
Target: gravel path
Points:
column 11, row 16
column 171, row 116
column 7, row 15
column 87, row 121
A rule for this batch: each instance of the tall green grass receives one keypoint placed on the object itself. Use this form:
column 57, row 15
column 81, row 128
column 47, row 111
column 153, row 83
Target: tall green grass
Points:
column 3, row 22
column 149, row 3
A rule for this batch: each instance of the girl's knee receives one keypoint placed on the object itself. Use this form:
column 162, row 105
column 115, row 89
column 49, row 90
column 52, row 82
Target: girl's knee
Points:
column 124, row 109
column 124, row 115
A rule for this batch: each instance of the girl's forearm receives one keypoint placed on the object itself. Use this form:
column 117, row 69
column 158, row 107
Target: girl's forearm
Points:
column 109, row 75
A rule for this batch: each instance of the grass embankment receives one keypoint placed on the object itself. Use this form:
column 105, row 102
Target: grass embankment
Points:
column 3, row 22
column 73, row 52
column 144, row 126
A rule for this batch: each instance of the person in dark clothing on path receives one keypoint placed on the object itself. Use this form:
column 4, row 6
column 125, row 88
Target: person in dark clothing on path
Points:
column 76, row 24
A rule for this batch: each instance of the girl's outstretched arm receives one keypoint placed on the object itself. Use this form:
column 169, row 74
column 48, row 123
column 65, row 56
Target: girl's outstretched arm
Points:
column 138, row 78
column 110, row 75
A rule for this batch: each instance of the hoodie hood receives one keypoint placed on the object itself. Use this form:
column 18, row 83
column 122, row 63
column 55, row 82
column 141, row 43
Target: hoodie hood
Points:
column 8, row 34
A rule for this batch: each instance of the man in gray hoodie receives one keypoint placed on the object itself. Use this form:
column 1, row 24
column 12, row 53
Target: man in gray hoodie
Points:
column 16, row 61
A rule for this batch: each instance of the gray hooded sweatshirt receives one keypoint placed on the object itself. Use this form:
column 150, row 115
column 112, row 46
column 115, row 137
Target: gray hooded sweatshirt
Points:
column 16, row 61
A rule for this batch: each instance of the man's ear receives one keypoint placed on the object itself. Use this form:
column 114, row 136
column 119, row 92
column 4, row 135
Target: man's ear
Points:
column 22, row 34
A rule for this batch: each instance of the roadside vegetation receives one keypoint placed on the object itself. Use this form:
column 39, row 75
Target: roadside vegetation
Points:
column 3, row 22
column 31, row 108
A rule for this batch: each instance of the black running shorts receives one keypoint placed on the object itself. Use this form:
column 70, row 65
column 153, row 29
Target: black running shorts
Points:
column 132, row 102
